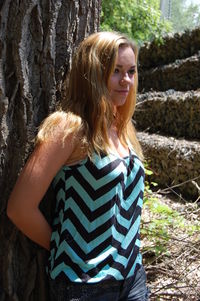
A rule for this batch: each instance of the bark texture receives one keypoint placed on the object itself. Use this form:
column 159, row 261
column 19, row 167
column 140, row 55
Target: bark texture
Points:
column 175, row 163
column 182, row 75
column 37, row 39
column 169, row 113
column 173, row 64
column 174, row 47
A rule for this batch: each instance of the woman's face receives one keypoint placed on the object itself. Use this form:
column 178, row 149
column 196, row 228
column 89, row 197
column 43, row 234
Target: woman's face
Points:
column 122, row 79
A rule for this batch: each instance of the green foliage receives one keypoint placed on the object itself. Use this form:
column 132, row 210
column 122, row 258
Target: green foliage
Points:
column 183, row 16
column 139, row 19
column 163, row 221
column 148, row 194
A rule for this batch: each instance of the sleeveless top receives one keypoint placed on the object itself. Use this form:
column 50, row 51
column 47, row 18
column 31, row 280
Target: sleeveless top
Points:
column 97, row 218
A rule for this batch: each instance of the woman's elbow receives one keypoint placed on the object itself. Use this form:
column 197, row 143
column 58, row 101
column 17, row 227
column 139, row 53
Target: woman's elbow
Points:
column 10, row 211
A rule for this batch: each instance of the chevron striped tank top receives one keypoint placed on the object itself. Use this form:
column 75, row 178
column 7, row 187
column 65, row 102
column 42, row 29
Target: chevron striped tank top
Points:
column 96, row 225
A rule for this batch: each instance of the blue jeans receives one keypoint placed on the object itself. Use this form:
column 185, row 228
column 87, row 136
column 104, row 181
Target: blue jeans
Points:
column 132, row 289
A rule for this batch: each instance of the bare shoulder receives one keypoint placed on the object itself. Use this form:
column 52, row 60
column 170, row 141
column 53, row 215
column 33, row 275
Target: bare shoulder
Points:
column 57, row 137
column 55, row 145
column 59, row 124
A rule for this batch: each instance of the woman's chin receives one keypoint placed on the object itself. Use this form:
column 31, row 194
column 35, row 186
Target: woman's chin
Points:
column 119, row 102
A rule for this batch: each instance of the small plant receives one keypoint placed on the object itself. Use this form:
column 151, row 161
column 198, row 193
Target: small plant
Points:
column 161, row 223
column 148, row 193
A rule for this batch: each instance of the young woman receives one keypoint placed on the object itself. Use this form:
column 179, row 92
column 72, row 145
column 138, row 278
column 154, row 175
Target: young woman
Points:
column 90, row 151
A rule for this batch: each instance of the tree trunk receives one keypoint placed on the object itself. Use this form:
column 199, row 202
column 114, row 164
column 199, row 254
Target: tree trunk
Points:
column 165, row 7
column 37, row 39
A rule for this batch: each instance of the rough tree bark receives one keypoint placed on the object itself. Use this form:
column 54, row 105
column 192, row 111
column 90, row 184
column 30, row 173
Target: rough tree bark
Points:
column 37, row 39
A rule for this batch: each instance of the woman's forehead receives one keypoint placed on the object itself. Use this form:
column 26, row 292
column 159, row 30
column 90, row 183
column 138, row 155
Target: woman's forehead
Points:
column 125, row 56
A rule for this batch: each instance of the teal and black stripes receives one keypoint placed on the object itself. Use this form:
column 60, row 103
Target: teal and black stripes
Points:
column 96, row 225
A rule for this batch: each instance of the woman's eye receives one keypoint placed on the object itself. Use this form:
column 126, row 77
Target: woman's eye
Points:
column 132, row 71
column 116, row 70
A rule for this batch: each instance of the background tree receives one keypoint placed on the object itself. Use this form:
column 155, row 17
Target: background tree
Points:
column 165, row 7
column 184, row 16
column 140, row 19
column 37, row 39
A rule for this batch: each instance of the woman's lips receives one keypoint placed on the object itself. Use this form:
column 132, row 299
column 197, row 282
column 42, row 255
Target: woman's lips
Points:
column 122, row 91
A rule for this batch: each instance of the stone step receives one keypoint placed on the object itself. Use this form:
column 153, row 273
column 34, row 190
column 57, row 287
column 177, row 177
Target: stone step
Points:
column 174, row 162
column 171, row 113
column 182, row 75
column 173, row 47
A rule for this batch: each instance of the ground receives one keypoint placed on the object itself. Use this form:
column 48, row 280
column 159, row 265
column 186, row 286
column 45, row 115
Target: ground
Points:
column 171, row 247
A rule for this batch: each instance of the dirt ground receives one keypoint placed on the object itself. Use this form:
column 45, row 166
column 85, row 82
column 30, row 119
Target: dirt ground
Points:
column 174, row 274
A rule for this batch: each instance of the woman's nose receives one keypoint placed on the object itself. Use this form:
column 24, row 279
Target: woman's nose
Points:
column 125, row 79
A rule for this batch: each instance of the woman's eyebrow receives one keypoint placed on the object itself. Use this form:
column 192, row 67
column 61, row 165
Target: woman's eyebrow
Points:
column 120, row 66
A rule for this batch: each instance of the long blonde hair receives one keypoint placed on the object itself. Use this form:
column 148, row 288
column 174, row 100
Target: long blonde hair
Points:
column 87, row 101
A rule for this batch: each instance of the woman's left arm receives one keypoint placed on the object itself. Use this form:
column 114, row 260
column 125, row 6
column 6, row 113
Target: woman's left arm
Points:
column 33, row 182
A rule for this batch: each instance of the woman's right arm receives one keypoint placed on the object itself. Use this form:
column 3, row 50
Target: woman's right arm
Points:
column 33, row 182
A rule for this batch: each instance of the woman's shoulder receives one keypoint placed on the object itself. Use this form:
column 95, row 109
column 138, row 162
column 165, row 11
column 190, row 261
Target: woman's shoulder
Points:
column 59, row 125
column 57, row 137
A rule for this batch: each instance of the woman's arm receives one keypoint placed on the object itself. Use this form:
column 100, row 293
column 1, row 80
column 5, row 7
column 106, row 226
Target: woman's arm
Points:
column 33, row 182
